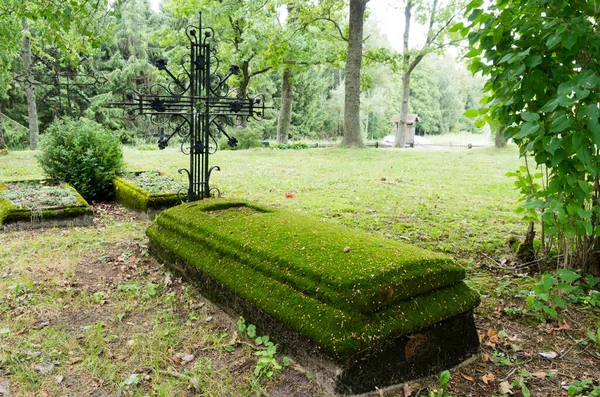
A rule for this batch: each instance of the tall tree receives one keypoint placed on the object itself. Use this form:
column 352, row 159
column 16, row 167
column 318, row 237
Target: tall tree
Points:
column 352, row 136
column 72, row 26
column 438, row 21
column 307, row 39
column 285, row 112
column 3, row 149
column 29, row 82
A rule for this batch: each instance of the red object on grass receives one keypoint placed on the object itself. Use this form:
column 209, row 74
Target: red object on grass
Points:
column 289, row 195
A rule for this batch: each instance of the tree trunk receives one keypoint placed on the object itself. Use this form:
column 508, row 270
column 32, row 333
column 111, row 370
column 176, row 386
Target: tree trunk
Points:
column 526, row 252
column 29, row 89
column 3, row 148
column 285, row 113
column 499, row 140
column 401, row 131
column 352, row 135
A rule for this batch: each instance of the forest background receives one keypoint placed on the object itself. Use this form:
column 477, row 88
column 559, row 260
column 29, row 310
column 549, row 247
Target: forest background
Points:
column 303, row 45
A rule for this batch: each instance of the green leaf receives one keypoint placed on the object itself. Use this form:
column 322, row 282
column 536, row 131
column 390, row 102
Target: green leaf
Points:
column 560, row 303
column 569, row 40
column 456, row 27
column 444, row 378
column 561, row 123
column 551, row 312
column 568, row 276
column 525, row 390
column 528, row 116
column 527, row 129
column 535, row 204
column 548, row 281
column 472, row 113
column 553, row 40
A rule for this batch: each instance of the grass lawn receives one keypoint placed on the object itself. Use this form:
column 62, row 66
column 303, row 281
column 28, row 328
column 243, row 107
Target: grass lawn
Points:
column 86, row 311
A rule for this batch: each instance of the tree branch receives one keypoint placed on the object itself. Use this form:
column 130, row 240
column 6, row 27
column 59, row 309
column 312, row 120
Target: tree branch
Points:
column 260, row 71
column 337, row 26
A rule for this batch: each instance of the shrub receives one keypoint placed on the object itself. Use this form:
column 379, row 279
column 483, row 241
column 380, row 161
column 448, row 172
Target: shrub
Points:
column 246, row 139
column 83, row 154
column 290, row 146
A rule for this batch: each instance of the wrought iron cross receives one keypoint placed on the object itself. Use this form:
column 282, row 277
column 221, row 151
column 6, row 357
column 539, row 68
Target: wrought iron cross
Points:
column 195, row 106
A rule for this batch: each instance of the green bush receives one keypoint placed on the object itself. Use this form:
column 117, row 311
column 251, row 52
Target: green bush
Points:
column 246, row 139
column 83, row 154
column 290, row 146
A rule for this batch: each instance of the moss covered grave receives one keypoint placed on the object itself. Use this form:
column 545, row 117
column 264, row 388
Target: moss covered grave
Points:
column 148, row 192
column 369, row 311
column 39, row 203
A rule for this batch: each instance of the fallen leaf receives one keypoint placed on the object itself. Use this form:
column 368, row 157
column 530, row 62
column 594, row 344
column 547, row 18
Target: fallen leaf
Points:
column 59, row 379
column 44, row 368
column 549, row 355
column 562, row 326
column 132, row 380
column 485, row 357
column 75, row 360
column 407, row 390
column 505, row 388
column 540, row 375
column 488, row 378
column 4, row 387
column 186, row 358
column 467, row 377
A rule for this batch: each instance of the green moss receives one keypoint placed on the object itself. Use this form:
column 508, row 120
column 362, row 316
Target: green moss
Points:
column 310, row 256
column 257, row 253
column 10, row 213
column 135, row 197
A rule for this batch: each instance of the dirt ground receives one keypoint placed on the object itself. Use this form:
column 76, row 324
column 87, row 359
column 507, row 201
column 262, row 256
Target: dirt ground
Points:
column 520, row 355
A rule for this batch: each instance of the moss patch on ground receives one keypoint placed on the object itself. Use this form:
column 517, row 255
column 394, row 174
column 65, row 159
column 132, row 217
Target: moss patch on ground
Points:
column 136, row 197
column 343, row 289
column 12, row 213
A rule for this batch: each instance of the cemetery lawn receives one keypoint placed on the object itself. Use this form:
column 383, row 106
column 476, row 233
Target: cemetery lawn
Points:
column 86, row 311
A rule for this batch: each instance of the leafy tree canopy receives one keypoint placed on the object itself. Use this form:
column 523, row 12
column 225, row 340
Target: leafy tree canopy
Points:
column 544, row 86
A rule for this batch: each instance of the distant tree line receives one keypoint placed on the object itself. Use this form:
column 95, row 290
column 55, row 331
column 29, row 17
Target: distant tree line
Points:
column 295, row 52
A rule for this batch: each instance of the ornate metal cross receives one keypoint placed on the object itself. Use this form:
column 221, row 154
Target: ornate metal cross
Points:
column 196, row 105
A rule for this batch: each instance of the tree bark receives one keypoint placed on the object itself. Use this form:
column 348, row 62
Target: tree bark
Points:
column 401, row 131
column 499, row 140
column 29, row 89
column 408, row 66
column 285, row 113
column 3, row 149
column 352, row 135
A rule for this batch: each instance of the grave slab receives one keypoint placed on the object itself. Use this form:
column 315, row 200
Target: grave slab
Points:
column 360, row 310
column 137, row 198
column 14, row 217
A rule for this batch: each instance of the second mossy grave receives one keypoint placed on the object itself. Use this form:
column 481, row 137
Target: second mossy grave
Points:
column 365, row 311
column 149, row 191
